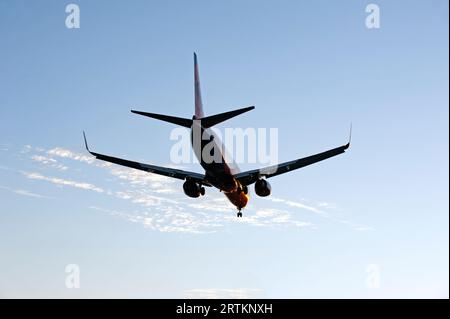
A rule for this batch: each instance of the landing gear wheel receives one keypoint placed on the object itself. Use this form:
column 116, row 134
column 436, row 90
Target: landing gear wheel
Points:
column 239, row 214
column 202, row 191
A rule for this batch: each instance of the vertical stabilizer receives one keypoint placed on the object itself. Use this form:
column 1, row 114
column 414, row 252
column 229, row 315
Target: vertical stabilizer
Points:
column 198, row 95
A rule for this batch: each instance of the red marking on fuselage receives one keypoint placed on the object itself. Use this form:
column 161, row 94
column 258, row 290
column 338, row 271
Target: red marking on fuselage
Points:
column 237, row 197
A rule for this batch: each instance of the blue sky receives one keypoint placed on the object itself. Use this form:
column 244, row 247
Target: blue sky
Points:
column 309, row 67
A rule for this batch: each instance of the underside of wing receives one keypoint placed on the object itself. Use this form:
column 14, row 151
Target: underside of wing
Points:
column 249, row 177
column 165, row 171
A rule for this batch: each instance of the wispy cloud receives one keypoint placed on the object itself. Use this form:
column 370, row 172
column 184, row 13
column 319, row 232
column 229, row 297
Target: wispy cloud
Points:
column 319, row 209
column 49, row 161
column 160, row 205
column 326, row 205
column 270, row 217
column 291, row 203
column 357, row 226
column 63, row 182
column 169, row 219
column 65, row 153
column 23, row 192
column 220, row 293
column 144, row 198
column 26, row 149
column 363, row 228
column 4, row 147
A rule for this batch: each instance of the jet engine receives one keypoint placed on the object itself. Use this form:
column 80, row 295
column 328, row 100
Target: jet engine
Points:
column 262, row 188
column 193, row 189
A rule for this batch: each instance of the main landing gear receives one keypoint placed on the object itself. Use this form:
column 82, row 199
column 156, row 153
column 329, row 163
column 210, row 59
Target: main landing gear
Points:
column 239, row 214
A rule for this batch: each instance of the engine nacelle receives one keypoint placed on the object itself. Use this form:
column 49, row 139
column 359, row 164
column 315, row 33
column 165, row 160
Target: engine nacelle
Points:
column 262, row 188
column 193, row 189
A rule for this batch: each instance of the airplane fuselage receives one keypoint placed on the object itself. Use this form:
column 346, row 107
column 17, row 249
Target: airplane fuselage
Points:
column 219, row 169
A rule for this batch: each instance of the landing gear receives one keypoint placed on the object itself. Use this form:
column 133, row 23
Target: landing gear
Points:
column 239, row 214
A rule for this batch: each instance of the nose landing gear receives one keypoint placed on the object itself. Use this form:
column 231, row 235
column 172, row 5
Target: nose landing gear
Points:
column 239, row 214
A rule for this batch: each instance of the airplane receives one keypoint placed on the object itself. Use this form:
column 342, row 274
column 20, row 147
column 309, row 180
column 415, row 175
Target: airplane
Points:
column 220, row 174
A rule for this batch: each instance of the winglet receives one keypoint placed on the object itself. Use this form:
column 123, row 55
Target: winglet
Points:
column 85, row 143
column 350, row 137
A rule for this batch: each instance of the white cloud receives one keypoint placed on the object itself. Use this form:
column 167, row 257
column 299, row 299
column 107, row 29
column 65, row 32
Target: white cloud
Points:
column 170, row 219
column 325, row 205
column 296, row 204
column 220, row 293
column 65, row 153
column 144, row 198
column 27, row 193
column 271, row 217
column 212, row 204
column 26, row 149
column 4, row 147
column 265, row 213
column 64, row 182
column 140, row 178
column 23, row 192
column 161, row 205
column 363, row 228
column 49, row 161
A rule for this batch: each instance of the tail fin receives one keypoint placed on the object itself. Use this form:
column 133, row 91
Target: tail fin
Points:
column 198, row 95
column 206, row 121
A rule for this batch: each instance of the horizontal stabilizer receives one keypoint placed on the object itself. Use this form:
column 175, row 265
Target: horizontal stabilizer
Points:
column 166, row 118
column 218, row 118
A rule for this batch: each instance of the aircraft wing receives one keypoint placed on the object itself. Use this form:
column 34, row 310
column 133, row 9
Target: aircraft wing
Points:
column 249, row 177
column 170, row 172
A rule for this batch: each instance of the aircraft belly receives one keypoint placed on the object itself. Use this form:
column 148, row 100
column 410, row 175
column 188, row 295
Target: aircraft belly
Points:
column 238, row 198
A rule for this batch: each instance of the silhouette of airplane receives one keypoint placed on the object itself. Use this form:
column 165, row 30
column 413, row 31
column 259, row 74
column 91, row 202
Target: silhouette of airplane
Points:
column 218, row 173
